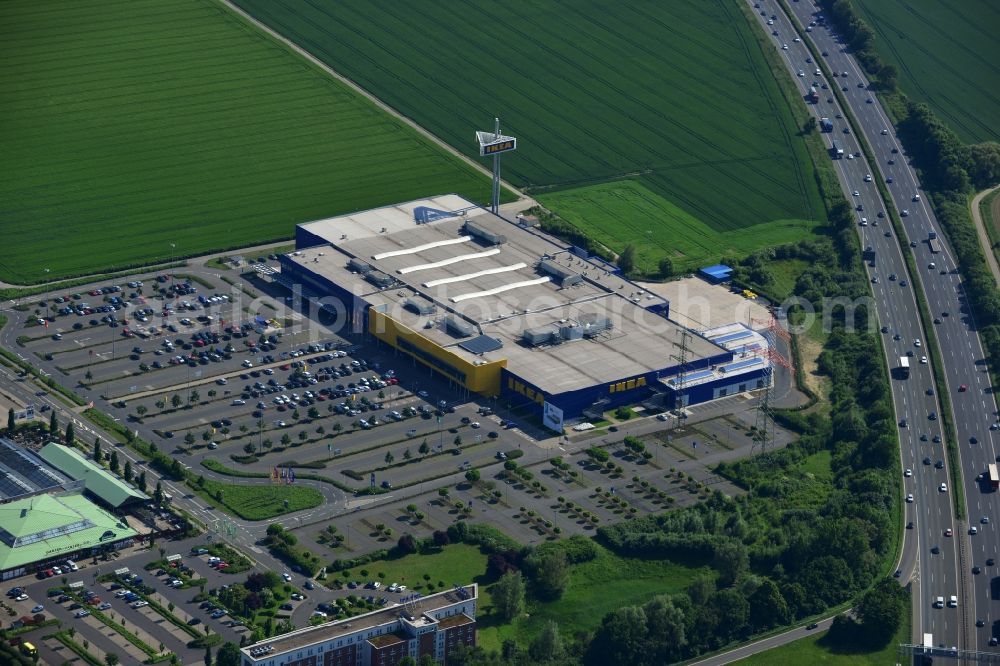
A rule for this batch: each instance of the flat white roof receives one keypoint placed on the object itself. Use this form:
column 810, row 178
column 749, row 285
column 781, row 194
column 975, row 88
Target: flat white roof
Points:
column 501, row 292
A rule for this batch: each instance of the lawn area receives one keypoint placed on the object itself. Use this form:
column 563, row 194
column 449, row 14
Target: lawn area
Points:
column 132, row 126
column 675, row 96
column 454, row 564
column 596, row 588
column 784, row 273
column 817, row 650
column 627, row 212
column 259, row 501
column 946, row 58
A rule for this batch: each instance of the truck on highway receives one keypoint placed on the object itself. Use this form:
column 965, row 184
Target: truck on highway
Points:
column 992, row 476
column 813, row 95
column 837, row 150
column 904, row 367
column 933, row 242
column 826, row 124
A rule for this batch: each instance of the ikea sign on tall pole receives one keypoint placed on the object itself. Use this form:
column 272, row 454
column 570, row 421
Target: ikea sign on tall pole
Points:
column 492, row 144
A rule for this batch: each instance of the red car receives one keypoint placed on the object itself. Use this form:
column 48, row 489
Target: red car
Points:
column 963, row 388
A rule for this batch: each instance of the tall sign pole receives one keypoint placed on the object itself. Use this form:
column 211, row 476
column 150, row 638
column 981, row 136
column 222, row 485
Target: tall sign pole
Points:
column 493, row 143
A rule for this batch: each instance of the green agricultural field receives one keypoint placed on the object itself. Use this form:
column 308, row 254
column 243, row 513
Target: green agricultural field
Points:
column 674, row 96
column 132, row 126
column 626, row 212
column 947, row 57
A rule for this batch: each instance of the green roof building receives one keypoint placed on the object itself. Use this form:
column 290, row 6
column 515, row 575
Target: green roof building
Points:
column 50, row 528
column 99, row 482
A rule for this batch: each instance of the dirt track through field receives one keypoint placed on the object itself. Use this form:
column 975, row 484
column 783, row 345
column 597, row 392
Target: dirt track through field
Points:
column 984, row 239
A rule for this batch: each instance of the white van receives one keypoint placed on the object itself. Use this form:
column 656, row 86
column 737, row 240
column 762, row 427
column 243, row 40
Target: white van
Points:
column 953, row 601
column 939, row 602
column 71, row 565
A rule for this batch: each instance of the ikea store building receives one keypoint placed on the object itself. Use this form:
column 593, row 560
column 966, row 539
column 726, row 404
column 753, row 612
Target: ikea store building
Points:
column 506, row 311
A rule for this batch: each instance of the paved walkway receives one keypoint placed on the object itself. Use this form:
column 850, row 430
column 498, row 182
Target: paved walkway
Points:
column 984, row 239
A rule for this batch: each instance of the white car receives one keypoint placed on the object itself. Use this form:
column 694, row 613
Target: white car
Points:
column 801, row 73
column 856, row 193
column 287, row 576
column 850, row 156
column 796, row 40
column 784, row 47
column 909, row 498
column 943, row 488
column 475, row 424
column 139, row 604
column 318, row 614
column 908, row 473
column 916, row 342
column 885, row 132
column 868, row 178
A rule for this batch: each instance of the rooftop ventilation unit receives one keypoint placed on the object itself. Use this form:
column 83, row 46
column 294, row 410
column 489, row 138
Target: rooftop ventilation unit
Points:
column 566, row 278
column 457, row 327
column 419, row 306
column 359, row 266
column 482, row 233
column 379, row 279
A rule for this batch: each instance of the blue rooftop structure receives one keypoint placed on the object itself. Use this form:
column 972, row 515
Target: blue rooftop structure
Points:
column 716, row 273
column 731, row 337
column 741, row 365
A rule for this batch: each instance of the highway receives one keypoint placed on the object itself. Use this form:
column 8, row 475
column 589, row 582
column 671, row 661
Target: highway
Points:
column 966, row 379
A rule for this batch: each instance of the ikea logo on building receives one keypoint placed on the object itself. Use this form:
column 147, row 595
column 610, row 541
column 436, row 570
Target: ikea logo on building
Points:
column 525, row 390
column 626, row 385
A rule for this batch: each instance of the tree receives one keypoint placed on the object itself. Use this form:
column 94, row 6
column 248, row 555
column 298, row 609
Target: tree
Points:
column 303, row 435
column 208, row 655
column 767, row 607
column 176, row 401
column 666, row 267
column 472, row 475
column 508, row 595
column 88, row 375
column 142, row 481
column 731, row 560
column 97, row 450
column 620, row 639
column 228, row 655
column 194, row 397
column 114, row 462
column 111, row 659
column 128, row 471
column 665, row 631
column 424, row 448
column 141, row 410
column 550, row 573
column 407, row 544
column 189, row 438
column 70, row 434
column 809, row 125
column 158, row 494
column 626, row 260
column 53, row 423
column 547, row 645
column 11, row 426
column 407, row 455
column 389, row 458
column 881, row 612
